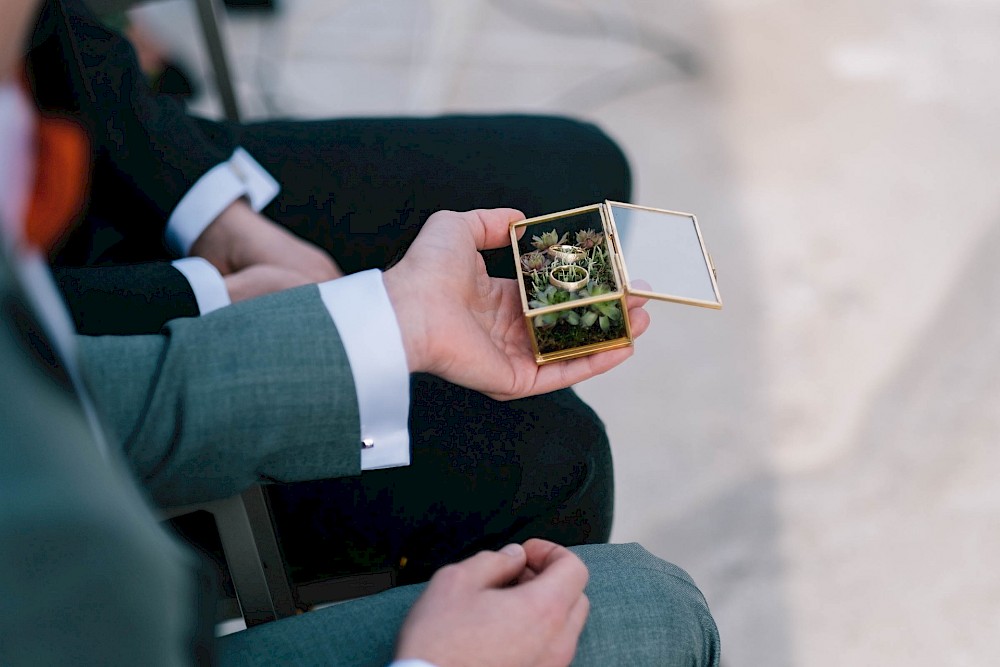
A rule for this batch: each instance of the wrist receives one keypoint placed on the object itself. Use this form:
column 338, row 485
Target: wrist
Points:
column 410, row 317
column 220, row 243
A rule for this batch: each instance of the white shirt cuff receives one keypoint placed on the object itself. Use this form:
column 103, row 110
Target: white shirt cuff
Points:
column 206, row 282
column 413, row 662
column 220, row 186
column 366, row 322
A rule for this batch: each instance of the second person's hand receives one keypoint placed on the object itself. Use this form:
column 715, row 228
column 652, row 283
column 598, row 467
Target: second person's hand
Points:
column 523, row 606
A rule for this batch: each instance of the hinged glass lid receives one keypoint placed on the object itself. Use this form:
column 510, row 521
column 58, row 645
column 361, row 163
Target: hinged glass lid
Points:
column 664, row 249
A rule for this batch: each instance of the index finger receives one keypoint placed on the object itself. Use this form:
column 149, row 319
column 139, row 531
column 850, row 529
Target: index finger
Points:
column 635, row 301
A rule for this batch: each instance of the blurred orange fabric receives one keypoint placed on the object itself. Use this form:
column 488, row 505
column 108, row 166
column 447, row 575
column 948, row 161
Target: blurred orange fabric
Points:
column 62, row 171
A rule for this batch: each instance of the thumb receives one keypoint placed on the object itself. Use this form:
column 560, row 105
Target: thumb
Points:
column 494, row 569
column 491, row 226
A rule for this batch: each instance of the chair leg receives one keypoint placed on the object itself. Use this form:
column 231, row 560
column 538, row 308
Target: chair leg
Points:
column 209, row 18
column 254, row 558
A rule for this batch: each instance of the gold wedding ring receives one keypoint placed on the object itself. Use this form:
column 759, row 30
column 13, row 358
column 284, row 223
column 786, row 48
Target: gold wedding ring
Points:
column 570, row 254
column 569, row 277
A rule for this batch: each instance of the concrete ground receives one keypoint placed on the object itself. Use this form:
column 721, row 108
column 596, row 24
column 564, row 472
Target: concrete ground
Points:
column 822, row 454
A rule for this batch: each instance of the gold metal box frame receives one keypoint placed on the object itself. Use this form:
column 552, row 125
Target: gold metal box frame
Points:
column 621, row 275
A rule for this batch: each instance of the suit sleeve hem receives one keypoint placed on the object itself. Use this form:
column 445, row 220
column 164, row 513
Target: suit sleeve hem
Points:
column 207, row 284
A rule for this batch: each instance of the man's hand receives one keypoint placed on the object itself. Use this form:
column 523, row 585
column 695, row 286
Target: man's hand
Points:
column 468, row 328
column 240, row 238
column 519, row 607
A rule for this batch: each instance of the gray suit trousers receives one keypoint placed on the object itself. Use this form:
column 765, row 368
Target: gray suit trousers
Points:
column 644, row 611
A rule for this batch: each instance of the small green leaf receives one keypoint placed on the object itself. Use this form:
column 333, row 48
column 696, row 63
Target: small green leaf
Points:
column 606, row 309
column 545, row 321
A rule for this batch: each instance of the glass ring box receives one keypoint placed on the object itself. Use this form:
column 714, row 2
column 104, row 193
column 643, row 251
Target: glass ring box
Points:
column 574, row 278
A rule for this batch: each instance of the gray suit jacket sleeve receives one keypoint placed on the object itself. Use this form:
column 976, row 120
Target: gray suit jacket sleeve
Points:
column 259, row 391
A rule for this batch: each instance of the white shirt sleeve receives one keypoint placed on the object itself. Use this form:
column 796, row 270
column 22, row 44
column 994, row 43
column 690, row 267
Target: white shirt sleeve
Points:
column 411, row 663
column 206, row 282
column 220, row 186
column 366, row 322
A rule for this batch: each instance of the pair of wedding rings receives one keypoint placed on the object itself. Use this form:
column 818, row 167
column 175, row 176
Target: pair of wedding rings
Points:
column 569, row 277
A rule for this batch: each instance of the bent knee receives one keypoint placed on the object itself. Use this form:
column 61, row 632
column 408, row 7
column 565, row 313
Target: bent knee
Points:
column 644, row 611
column 587, row 148
column 596, row 142
column 568, row 442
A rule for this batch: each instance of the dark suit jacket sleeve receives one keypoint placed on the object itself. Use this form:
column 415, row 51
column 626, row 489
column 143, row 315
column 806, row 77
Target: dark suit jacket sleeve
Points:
column 148, row 146
column 125, row 300
column 255, row 392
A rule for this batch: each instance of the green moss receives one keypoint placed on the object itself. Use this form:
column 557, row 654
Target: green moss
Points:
column 564, row 336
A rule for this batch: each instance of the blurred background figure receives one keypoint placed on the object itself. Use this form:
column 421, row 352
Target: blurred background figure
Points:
column 821, row 454
column 165, row 75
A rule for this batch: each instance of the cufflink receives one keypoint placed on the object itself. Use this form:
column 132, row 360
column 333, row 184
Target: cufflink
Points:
column 367, row 443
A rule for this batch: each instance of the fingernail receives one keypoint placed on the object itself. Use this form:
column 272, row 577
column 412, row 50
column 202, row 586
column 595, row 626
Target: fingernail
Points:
column 513, row 550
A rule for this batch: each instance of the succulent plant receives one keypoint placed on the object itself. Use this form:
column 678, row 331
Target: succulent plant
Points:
column 547, row 240
column 599, row 256
column 546, row 321
column 534, row 261
column 603, row 313
column 597, row 289
column 539, row 281
column 607, row 313
column 549, row 296
column 588, row 239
